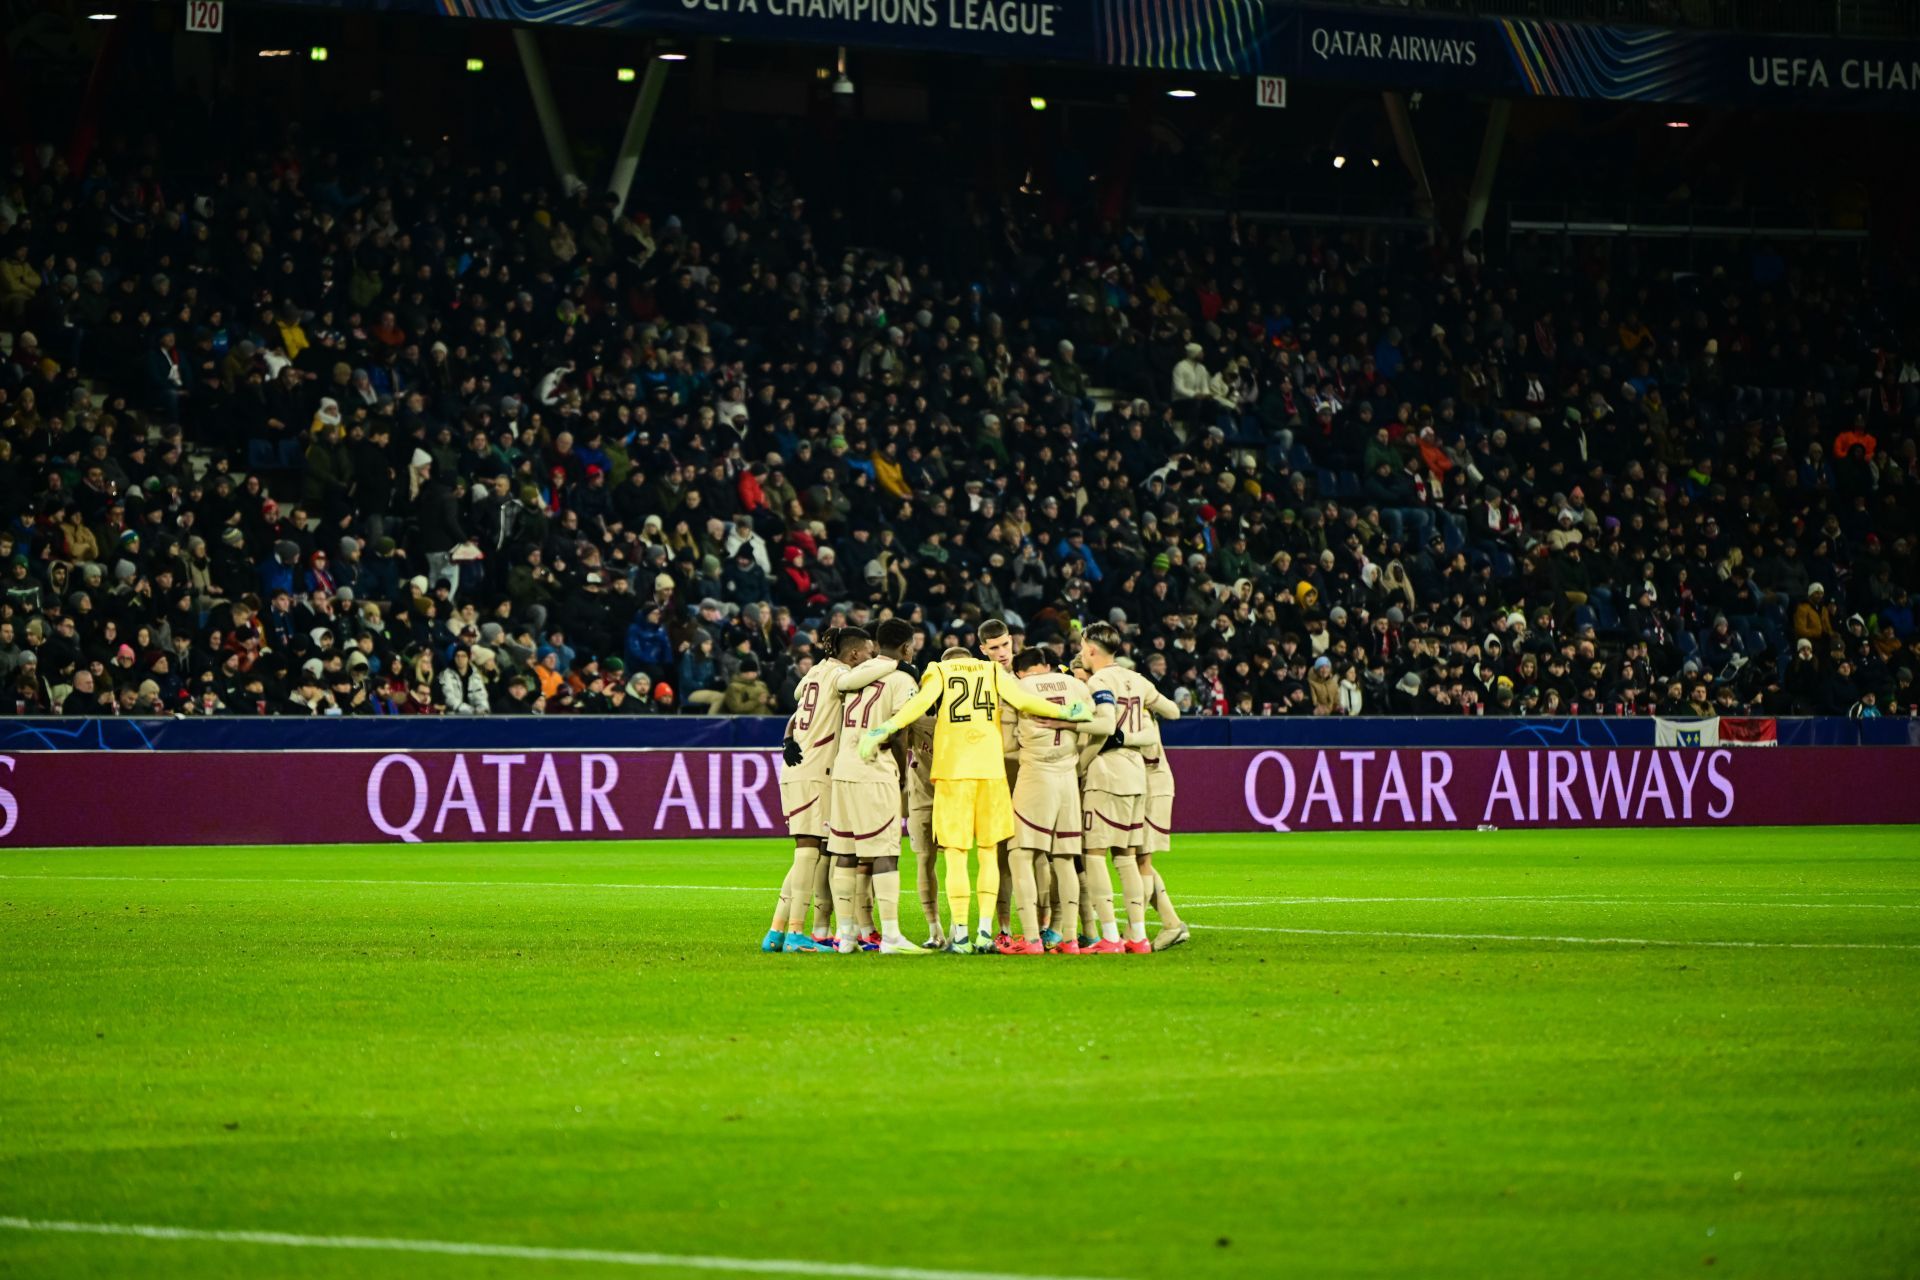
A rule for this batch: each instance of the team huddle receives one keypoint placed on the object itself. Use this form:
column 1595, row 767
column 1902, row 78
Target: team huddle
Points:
column 1056, row 777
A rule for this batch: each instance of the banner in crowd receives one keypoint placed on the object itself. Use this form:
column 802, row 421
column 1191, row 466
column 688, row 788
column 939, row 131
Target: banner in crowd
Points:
column 153, row 798
column 1715, row 731
column 1515, row 57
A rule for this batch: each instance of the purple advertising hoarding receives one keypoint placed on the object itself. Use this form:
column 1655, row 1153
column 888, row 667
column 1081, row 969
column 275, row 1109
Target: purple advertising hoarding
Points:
column 74, row 798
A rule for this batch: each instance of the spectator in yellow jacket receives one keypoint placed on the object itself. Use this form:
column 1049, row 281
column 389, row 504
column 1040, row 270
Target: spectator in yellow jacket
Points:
column 1813, row 619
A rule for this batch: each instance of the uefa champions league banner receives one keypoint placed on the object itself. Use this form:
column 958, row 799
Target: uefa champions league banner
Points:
column 74, row 798
column 1513, row 57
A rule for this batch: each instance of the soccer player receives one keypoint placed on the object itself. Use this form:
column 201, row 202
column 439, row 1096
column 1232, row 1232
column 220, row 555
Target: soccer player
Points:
column 863, row 827
column 971, row 805
column 1116, row 791
column 812, row 732
column 1046, row 800
column 1159, row 833
column 919, row 809
column 996, row 645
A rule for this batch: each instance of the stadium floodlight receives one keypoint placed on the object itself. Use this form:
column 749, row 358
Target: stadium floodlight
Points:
column 842, row 82
column 673, row 56
column 1679, row 124
column 1037, row 102
column 276, row 53
column 318, row 53
column 1339, row 162
column 1182, row 93
column 1374, row 161
column 624, row 75
column 102, row 17
column 476, row 64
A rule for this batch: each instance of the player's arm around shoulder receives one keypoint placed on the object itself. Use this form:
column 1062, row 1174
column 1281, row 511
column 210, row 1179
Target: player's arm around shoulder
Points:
column 1020, row 698
column 852, row 678
column 1158, row 704
column 931, row 682
column 1104, row 707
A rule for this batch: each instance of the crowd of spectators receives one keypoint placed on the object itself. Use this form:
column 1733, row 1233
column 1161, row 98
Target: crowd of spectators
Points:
column 377, row 432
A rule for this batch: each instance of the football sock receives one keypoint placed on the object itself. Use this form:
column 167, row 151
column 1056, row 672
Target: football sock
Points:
column 1100, row 885
column 863, row 901
column 844, row 879
column 1026, row 893
column 1067, row 883
column 1133, row 889
column 1003, row 899
column 797, row 889
column 886, row 900
column 822, row 895
column 1163, row 903
column 1042, row 887
column 926, row 866
column 986, row 891
column 1089, row 921
column 959, row 890
column 782, row 907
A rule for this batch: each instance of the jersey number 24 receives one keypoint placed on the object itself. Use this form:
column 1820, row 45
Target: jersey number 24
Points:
column 965, row 696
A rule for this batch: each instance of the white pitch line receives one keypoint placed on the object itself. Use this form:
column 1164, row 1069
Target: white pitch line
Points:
column 1191, row 903
column 1547, row 937
column 526, row 1253
column 436, row 884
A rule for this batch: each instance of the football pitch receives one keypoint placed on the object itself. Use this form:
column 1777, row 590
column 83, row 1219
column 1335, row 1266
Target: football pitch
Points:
column 1602, row 1053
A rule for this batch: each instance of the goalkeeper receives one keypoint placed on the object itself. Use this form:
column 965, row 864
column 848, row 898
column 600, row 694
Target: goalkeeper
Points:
column 971, row 806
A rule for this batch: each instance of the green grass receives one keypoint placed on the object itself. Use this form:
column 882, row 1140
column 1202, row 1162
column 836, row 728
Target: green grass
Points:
column 280, row 1039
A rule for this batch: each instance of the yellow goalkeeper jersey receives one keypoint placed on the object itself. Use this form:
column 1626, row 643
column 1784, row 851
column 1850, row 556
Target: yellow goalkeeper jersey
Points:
column 966, row 727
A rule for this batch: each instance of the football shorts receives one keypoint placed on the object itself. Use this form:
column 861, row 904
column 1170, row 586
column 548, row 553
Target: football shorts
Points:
column 971, row 811
column 805, row 805
column 1046, row 812
column 1113, row 821
column 865, row 822
column 1159, row 815
column 920, row 830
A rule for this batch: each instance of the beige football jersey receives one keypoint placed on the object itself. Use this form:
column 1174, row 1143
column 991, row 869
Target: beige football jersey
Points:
column 816, row 719
column 1147, row 736
column 920, row 776
column 1041, row 748
column 865, row 709
column 815, row 723
column 1121, row 772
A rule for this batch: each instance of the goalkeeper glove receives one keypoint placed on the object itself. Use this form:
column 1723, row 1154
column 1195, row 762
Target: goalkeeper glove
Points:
column 1115, row 740
column 790, row 752
column 1077, row 711
column 870, row 742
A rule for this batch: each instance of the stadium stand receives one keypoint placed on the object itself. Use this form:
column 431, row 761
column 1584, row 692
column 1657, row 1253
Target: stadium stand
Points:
column 351, row 428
